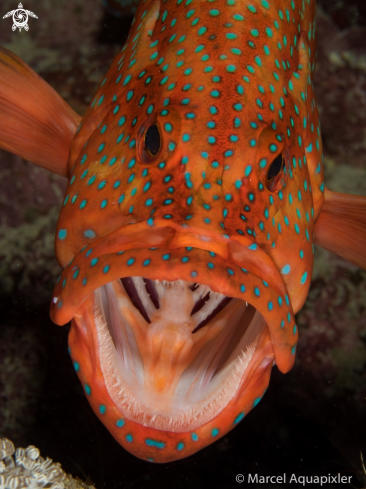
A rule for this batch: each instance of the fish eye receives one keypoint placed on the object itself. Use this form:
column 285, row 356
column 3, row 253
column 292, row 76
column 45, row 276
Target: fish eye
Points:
column 152, row 140
column 274, row 173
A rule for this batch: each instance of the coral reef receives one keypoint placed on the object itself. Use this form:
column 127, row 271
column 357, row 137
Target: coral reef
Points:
column 25, row 468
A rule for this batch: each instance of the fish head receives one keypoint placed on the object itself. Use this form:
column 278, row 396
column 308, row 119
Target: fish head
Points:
column 186, row 232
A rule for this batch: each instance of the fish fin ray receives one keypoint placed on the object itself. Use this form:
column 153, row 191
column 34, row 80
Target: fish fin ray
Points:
column 341, row 226
column 35, row 122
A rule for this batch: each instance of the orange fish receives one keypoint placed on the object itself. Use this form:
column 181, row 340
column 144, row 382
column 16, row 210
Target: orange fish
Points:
column 195, row 195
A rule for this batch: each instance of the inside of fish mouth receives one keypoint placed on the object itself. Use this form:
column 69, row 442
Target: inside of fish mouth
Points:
column 176, row 339
column 200, row 299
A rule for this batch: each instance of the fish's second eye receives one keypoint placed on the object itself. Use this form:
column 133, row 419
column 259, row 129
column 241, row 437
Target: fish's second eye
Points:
column 152, row 140
column 274, row 176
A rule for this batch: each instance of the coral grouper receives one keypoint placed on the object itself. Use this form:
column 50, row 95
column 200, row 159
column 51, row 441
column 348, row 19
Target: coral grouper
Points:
column 195, row 195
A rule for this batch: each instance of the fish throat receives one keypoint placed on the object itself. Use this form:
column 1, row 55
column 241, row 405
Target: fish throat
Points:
column 173, row 354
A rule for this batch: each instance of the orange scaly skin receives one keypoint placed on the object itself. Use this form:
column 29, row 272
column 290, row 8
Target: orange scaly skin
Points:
column 229, row 84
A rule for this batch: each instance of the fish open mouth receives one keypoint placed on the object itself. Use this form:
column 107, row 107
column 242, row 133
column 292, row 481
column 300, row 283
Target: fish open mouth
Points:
column 173, row 354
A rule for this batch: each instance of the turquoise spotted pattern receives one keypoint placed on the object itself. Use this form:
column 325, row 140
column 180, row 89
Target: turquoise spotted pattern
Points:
column 229, row 86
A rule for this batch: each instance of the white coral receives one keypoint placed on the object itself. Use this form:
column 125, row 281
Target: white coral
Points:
column 28, row 469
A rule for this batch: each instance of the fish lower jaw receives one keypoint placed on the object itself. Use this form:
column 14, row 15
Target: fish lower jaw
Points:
column 166, row 374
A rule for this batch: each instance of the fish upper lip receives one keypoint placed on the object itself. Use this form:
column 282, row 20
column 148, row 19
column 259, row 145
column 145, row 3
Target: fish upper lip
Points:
column 236, row 256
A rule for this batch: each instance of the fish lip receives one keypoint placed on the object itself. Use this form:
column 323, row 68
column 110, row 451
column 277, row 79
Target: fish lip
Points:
column 259, row 355
column 235, row 254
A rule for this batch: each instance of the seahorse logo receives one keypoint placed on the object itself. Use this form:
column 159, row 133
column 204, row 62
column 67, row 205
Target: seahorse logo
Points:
column 20, row 18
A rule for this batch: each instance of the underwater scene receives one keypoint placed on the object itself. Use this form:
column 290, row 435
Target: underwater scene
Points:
column 182, row 277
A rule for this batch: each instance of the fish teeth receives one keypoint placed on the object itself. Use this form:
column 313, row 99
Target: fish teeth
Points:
column 201, row 291
column 167, row 284
column 204, row 289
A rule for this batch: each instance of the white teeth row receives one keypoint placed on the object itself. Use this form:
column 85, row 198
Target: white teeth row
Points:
column 201, row 291
column 166, row 283
column 198, row 293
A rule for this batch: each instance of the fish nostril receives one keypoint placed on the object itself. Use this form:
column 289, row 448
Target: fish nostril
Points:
column 132, row 293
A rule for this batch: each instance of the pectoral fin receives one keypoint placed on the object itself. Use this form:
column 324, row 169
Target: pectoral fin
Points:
column 35, row 122
column 341, row 226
